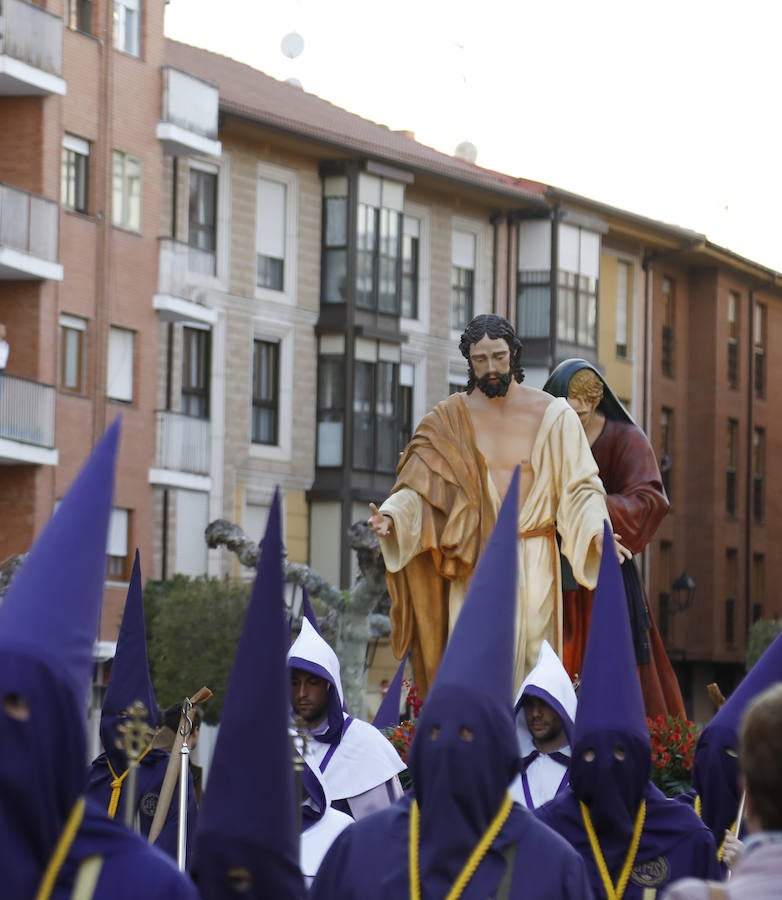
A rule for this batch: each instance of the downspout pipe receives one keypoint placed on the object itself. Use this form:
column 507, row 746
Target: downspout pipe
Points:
column 495, row 221
column 748, row 514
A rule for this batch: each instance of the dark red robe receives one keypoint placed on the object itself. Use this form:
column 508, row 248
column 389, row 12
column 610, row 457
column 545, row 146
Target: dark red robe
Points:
column 637, row 504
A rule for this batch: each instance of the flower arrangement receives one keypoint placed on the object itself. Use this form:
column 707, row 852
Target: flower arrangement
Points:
column 673, row 748
column 401, row 735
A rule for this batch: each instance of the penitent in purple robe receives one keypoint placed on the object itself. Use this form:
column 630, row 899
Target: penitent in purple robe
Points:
column 463, row 759
column 370, row 859
column 130, row 867
column 149, row 778
column 674, row 844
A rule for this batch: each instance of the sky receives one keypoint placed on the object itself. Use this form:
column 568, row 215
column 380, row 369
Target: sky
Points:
column 669, row 109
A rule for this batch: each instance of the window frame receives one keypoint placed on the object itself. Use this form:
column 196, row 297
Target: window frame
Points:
column 202, row 254
column 121, row 10
column 733, row 318
column 282, row 334
column 624, row 304
column 125, row 368
column 78, row 16
column 269, row 404
column 289, row 180
column 195, row 394
column 731, row 469
column 118, row 565
column 75, row 174
column 461, row 305
column 759, row 339
column 78, row 326
column 758, row 475
column 668, row 329
column 126, row 192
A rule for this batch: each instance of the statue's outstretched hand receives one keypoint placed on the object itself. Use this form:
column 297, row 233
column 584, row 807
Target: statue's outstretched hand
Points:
column 379, row 522
column 622, row 552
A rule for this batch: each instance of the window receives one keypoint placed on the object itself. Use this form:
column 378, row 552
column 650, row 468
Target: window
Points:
column 732, row 586
column 78, row 15
column 335, row 240
column 73, row 335
column 624, row 306
column 266, row 392
column 666, row 448
column 731, row 475
column 534, row 284
column 579, row 266
column 733, row 339
column 192, row 517
column 379, row 243
column 730, row 622
column 195, row 372
column 759, row 348
column 75, row 173
column 270, row 235
column 120, row 365
column 127, row 26
column 406, row 394
column 758, row 585
column 668, row 321
column 375, row 421
column 117, row 549
column 463, row 260
column 126, row 192
column 666, row 581
column 758, row 472
column 202, row 221
column 411, row 238
column 331, row 409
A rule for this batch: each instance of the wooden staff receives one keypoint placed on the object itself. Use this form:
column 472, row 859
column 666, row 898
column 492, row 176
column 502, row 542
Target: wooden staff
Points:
column 172, row 770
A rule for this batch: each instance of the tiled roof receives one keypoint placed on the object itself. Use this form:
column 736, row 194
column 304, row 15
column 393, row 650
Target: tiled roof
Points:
column 251, row 94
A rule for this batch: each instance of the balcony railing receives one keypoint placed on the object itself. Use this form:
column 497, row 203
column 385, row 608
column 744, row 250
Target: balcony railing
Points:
column 31, row 35
column 178, row 262
column 28, row 223
column 190, row 103
column 183, row 443
column 27, row 411
column 189, row 115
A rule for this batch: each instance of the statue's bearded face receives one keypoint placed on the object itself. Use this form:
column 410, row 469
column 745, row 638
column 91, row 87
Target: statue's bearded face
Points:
column 490, row 362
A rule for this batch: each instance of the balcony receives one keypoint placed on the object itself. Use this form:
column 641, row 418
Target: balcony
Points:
column 189, row 123
column 182, row 451
column 26, row 422
column 28, row 236
column 178, row 298
column 30, row 50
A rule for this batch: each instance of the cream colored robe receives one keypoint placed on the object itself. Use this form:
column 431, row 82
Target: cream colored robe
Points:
column 566, row 490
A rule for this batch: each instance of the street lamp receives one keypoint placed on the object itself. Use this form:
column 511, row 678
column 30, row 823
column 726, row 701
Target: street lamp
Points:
column 683, row 593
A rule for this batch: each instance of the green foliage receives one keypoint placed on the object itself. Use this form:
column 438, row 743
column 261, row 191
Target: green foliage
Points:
column 193, row 628
column 761, row 634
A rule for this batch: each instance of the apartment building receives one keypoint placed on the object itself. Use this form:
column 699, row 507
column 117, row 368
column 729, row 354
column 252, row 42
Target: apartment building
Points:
column 88, row 113
column 270, row 290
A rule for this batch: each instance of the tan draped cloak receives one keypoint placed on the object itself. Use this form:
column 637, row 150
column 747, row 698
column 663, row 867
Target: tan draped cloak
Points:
column 444, row 506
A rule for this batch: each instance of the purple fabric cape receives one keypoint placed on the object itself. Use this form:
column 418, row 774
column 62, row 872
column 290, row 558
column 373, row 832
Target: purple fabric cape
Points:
column 370, row 859
column 151, row 772
column 131, row 868
column 674, row 843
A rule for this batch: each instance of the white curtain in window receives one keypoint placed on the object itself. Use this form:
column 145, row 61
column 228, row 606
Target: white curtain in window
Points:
column 590, row 254
column 192, row 517
column 117, row 544
column 120, row 375
column 535, row 245
column 271, row 219
column 622, row 297
column 568, row 248
column 463, row 249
